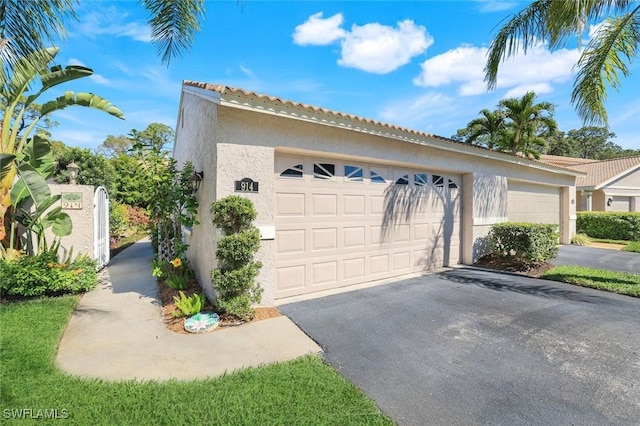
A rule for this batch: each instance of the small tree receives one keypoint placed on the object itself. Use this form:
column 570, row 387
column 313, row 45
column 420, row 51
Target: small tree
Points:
column 234, row 279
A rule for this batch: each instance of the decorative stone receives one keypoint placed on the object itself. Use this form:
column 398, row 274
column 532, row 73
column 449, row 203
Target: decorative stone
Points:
column 202, row 322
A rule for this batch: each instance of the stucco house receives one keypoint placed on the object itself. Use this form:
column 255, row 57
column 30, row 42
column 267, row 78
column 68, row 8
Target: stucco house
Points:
column 609, row 185
column 344, row 200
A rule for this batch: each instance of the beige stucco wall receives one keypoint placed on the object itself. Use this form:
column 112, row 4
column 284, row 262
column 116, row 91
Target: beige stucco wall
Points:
column 81, row 238
column 195, row 142
column 629, row 181
column 231, row 143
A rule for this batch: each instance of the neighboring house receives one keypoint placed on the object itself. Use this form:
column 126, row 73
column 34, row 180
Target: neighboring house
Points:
column 609, row 185
column 343, row 200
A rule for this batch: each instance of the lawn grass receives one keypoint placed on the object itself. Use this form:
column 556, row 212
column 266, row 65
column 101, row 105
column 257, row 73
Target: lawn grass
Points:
column 601, row 279
column 609, row 241
column 303, row 391
column 633, row 246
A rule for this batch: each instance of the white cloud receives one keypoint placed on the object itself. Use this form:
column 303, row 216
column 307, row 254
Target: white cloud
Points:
column 372, row 47
column 101, row 80
column 246, row 71
column 410, row 112
column 111, row 21
column 489, row 6
column 538, row 70
column 381, row 49
column 318, row 31
column 75, row 61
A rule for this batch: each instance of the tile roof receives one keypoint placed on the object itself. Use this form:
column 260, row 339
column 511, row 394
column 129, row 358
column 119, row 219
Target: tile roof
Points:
column 599, row 173
column 559, row 160
column 224, row 89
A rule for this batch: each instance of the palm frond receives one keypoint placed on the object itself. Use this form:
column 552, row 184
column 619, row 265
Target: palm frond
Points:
column 173, row 24
column 616, row 44
column 522, row 32
column 27, row 26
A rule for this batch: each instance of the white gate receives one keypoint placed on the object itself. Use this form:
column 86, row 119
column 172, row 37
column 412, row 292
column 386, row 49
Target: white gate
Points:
column 101, row 227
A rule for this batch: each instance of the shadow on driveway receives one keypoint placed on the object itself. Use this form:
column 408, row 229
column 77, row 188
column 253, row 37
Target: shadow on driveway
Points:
column 468, row 347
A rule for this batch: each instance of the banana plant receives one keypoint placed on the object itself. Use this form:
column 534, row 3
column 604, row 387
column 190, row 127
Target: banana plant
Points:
column 21, row 179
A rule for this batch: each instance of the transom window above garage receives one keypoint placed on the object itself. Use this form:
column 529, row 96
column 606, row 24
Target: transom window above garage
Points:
column 324, row 170
column 403, row 180
column 376, row 177
column 420, row 179
column 353, row 173
column 296, row 171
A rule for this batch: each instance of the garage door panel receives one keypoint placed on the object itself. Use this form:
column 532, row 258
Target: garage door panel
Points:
column 340, row 223
column 353, row 205
column 324, row 239
column 354, row 236
column 324, row 204
column 290, row 204
column 529, row 202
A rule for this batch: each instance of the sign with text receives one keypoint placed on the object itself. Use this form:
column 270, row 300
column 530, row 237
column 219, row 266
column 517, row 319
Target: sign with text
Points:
column 246, row 185
column 71, row 200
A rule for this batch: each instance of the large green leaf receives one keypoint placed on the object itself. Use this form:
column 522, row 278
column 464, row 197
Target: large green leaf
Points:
column 62, row 225
column 37, row 152
column 58, row 75
column 83, row 99
column 30, row 184
column 5, row 164
column 25, row 71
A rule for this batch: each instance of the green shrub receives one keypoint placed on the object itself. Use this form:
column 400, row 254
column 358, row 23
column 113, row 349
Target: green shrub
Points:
column 238, row 249
column 234, row 279
column 610, row 225
column 118, row 220
column 189, row 305
column 233, row 214
column 524, row 244
column 580, row 240
column 45, row 275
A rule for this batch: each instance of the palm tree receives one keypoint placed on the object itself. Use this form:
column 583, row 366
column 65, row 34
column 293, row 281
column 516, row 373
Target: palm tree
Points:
column 489, row 128
column 30, row 26
column 615, row 44
column 528, row 124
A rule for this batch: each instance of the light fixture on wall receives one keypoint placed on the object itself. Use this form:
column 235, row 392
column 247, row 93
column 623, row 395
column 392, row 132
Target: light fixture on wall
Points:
column 73, row 170
column 196, row 180
column 609, row 202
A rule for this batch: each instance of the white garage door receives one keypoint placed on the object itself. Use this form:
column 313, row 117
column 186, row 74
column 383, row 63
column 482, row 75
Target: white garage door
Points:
column 618, row 204
column 529, row 202
column 340, row 223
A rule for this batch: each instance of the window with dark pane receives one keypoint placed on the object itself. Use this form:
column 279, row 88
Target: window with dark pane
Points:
column 452, row 184
column 293, row 172
column 377, row 178
column 403, row 180
column 353, row 173
column 438, row 181
column 420, row 179
column 324, row 170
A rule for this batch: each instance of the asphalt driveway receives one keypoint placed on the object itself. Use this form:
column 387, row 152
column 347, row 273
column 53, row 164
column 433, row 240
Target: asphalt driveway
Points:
column 614, row 260
column 466, row 347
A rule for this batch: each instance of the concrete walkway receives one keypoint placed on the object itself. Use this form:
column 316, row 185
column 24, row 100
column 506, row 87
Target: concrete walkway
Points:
column 117, row 333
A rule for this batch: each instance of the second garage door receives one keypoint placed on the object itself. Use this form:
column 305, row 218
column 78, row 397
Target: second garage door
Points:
column 529, row 202
column 342, row 222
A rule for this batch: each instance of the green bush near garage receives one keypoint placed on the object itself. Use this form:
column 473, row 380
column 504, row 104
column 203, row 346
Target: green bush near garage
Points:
column 610, row 225
column 524, row 244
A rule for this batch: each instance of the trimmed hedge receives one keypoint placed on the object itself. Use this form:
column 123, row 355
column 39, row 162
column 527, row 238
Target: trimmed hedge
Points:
column 610, row 225
column 524, row 244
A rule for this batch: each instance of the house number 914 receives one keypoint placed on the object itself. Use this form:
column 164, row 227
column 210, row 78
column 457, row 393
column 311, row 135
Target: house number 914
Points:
column 246, row 185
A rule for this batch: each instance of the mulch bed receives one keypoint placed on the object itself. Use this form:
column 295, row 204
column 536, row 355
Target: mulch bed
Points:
column 226, row 320
column 492, row 262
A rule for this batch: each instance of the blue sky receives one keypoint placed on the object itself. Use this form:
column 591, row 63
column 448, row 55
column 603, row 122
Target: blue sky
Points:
column 415, row 64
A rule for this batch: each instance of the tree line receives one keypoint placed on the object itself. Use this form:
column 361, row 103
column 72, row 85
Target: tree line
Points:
column 527, row 127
